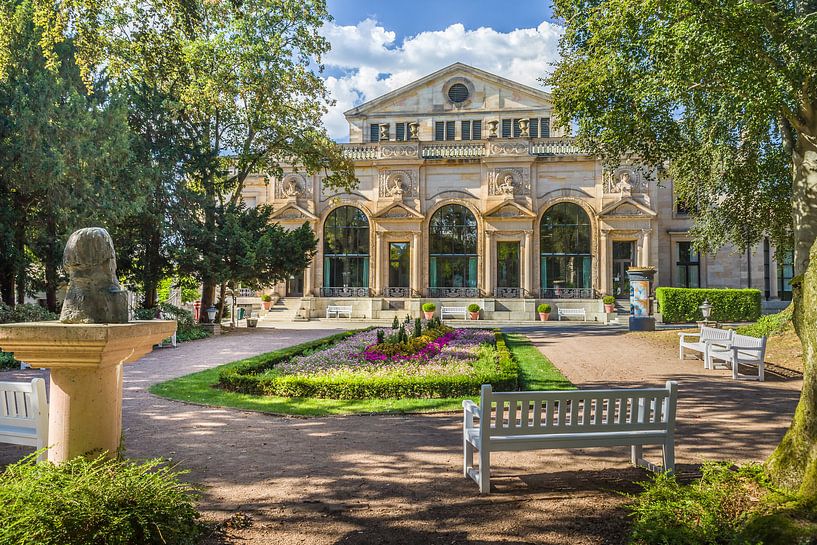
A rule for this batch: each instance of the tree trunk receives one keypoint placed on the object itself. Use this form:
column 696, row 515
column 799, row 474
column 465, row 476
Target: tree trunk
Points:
column 208, row 293
column 7, row 286
column 222, row 290
column 794, row 463
column 20, row 249
column 51, row 263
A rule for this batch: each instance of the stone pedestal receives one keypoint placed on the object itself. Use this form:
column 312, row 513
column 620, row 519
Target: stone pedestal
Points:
column 212, row 328
column 85, row 406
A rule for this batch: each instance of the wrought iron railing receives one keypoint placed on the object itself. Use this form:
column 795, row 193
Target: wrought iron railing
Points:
column 513, row 293
column 567, row 293
column 454, row 293
column 246, row 292
column 345, row 292
column 400, row 292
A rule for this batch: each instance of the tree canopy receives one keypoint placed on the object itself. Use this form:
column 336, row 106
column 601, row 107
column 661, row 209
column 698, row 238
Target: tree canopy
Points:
column 720, row 96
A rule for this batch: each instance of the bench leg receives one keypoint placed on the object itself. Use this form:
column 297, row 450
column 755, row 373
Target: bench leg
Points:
column 669, row 455
column 484, row 471
column 467, row 456
column 760, row 371
column 636, row 454
column 680, row 352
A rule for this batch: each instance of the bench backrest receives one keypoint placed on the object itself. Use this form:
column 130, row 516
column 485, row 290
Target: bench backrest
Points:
column 715, row 334
column 571, row 311
column 24, row 405
column 338, row 307
column 577, row 411
column 453, row 309
column 745, row 341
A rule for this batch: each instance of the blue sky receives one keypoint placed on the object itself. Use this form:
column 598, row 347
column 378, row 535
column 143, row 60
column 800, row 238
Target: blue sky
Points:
column 409, row 18
column 380, row 46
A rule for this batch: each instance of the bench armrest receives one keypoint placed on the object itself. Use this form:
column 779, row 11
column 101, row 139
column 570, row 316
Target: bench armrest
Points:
column 469, row 406
column 685, row 335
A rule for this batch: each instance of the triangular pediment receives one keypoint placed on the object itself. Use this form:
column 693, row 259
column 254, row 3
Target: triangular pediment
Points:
column 628, row 208
column 399, row 211
column 509, row 209
column 294, row 212
column 487, row 88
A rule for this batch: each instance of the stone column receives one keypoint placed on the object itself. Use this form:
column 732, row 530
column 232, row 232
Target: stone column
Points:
column 489, row 263
column 308, row 272
column 376, row 266
column 645, row 245
column 526, row 268
column 604, row 266
column 415, row 263
column 773, row 291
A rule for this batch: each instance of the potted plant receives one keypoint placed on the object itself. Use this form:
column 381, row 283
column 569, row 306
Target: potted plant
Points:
column 428, row 310
column 266, row 301
column 544, row 312
column 609, row 304
column 252, row 321
column 473, row 310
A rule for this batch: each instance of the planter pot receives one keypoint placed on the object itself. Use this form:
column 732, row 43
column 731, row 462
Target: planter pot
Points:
column 252, row 322
column 609, row 309
column 428, row 315
column 266, row 305
column 544, row 316
column 474, row 315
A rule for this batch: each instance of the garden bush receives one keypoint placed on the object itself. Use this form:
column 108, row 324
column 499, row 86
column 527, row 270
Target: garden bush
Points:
column 725, row 506
column 96, row 502
column 186, row 328
column 18, row 314
column 766, row 326
column 680, row 305
column 543, row 308
column 257, row 376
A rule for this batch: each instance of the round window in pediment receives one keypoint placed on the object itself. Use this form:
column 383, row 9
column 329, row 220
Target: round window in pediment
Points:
column 458, row 93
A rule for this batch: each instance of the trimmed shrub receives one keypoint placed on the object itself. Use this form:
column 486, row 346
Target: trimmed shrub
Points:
column 246, row 377
column 267, row 298
column 186, row 328
column 680, row 305
column 473, row 307
column 25, row 313
column 608, row 300
column 543, row 308
column 772, row 324
column 96, row 502
column 429, row 307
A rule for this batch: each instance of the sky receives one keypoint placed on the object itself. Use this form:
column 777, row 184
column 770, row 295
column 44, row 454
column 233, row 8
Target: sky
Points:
column 378, row 46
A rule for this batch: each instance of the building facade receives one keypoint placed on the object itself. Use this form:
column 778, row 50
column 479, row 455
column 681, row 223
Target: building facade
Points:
column 468, row 194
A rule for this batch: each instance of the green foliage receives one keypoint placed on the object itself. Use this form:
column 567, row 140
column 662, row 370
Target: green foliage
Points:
column 495, row 366
column 267, row 298
column 96, row 502
column 724, row 506
column 543, row 308
column 680, row 305
column 608, row 300
column 473, row 307
column 186, row 328
column 381, row 336
column 25, row 313
column 396, row 345
column 188, row 285
column 771, row 324
column 418, row 328
column 7, row 361
column 429, row 307
column 395, row 323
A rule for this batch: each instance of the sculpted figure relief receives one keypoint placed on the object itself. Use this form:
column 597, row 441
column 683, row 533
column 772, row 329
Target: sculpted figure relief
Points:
column 395, row 186
column 506, row 187
column 291, row 187
column 94, row 295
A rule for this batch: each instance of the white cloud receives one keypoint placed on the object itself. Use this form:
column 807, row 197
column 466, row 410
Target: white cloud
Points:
column 372, row 63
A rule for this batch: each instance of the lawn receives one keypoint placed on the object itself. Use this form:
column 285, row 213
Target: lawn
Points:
column 536, row 373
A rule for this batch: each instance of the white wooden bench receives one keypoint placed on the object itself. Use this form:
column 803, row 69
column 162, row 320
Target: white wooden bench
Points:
column 453, row 312
column 515, row 421
column 706, row 337
column 337, row 310
column 742, row 350
column 567, row 312
column 24, row 414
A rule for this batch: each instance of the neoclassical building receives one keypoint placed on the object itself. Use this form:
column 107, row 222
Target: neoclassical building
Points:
column 467, row 194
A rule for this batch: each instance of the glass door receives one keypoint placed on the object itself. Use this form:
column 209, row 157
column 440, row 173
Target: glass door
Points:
column 399, row 265
column 507, row 269
column 623, row 257
column 295, row 285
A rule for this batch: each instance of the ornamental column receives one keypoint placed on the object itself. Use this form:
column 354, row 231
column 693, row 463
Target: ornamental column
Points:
column 645, row 253
column 415, row 263
column 604, row 273
column 489, row 263
column 527, row 268
column 309, row 271
column 378, row 254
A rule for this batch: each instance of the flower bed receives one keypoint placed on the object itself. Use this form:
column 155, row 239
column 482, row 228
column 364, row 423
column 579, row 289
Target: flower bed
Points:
column 441, row 363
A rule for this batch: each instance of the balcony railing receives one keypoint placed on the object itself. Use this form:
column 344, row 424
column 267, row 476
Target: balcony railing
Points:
column 513, row 293
column 246, row 292
column 567, row 293
column 345, row 292
column 454, row 293
column 398, row 292
column 462, row 149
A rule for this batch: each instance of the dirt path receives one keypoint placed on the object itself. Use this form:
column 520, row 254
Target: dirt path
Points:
column 397, row 479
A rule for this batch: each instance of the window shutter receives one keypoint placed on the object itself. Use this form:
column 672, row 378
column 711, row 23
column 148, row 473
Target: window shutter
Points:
column 450, row 130
column 533, row 128
column 465, row 130
column 439, row 130
column 506, row 128
column 400, row 131
column 545, row 126
column 517, row 131
column 374, row 132
column 476, row 130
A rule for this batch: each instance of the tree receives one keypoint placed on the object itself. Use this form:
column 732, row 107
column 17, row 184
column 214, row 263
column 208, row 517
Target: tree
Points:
column 720, row 95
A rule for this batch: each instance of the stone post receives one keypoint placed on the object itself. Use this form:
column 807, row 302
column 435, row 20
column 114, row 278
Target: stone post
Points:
column 415, row 262
column 489, row 263
column 527, row 267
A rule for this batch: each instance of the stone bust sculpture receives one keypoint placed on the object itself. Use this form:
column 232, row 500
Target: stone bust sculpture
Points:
column 624, row 182
column 291, row 187
column 94, row 295
column 506, row 187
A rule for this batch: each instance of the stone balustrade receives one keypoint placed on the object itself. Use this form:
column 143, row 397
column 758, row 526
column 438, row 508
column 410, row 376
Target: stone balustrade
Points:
column 463, row 149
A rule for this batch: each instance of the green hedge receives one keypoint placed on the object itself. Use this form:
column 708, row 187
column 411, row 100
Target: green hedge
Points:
column 679, row 305
column 246, row 378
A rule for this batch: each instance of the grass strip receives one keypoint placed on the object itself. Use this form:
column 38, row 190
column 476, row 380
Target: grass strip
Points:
column 200, row 388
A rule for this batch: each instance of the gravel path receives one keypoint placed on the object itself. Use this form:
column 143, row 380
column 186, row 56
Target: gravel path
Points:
column 397, row 479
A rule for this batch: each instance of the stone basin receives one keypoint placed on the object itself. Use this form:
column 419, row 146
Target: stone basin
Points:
column 85, row 405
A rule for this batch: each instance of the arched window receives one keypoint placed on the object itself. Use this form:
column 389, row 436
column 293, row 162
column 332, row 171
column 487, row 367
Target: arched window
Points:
column 346, row 249
column 452, row 250
column 566, row 261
